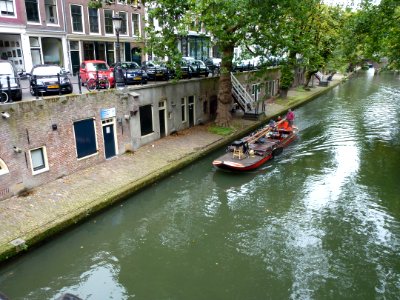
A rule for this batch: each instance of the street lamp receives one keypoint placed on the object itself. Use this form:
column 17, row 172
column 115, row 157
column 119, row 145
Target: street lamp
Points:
column 119, row 75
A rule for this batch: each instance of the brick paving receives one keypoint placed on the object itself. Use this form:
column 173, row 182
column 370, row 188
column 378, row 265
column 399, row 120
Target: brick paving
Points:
column 31, row 218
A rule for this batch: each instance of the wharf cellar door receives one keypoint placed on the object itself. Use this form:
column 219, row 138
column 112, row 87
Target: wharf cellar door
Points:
column 109, row 137
column 162, row 118
column 191, row 111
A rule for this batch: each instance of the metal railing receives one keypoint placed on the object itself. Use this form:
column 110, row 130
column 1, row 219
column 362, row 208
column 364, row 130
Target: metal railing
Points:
column 241, row 96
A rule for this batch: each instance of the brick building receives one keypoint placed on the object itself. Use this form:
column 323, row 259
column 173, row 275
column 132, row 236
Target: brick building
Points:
column 65, row 32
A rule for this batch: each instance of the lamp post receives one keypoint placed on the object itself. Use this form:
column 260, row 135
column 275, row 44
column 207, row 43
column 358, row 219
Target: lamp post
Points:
column 119, row 76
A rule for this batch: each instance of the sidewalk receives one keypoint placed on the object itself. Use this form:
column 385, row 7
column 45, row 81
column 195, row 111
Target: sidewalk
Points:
column 48, row 209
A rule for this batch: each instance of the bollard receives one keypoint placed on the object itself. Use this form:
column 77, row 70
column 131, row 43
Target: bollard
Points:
column 80, row 84
column 35, row 87
column 97, row 79
column 114, row 72
column 59, row 84
column 9, row 89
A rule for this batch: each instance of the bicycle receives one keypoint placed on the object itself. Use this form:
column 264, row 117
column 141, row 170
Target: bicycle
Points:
column 98, row 83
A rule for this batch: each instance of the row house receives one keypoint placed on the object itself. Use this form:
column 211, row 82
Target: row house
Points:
column 66, row 32
column 91, row 34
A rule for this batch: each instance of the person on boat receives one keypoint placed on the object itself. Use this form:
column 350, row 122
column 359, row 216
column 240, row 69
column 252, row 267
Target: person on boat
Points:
column 271, row 123
column 290, row 117
column 284, row 125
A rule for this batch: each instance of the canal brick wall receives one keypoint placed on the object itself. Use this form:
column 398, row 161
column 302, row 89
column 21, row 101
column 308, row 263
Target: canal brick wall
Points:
column 44, row 131
column 31, row 218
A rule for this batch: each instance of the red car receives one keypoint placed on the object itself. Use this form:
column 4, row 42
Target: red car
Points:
column 89, row 69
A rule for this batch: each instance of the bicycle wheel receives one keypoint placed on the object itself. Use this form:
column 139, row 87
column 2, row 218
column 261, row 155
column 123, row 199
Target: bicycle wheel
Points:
column 91, row 84
column 3, row 97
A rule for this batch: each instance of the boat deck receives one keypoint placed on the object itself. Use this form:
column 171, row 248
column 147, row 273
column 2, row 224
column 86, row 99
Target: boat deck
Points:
column 260, row 151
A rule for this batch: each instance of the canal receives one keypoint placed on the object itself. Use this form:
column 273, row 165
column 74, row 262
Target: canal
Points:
column 321, row 221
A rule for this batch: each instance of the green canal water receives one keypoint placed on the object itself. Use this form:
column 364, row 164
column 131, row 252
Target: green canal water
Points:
column 321, row 221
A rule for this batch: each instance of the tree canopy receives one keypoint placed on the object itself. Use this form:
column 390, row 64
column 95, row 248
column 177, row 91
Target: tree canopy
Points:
column 307, row 34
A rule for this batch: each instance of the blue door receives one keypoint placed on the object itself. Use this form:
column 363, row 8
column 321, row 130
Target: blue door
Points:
column 109, row 140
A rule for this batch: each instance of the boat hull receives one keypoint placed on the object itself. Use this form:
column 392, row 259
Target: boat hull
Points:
column 258, row 154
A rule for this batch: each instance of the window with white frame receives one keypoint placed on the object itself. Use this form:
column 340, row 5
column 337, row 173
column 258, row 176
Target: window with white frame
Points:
column 93, row 20
column 3, row 167
column 183, row 109
column 7, row 8
column 39, row 162
column 135, row 24
column 77, row 18
column 32, row 11
column 124, row 23
column 108, row 23
column 35, row 50
column 51, row 11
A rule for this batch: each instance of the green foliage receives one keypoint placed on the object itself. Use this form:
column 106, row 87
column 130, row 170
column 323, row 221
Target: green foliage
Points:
column 287, row 77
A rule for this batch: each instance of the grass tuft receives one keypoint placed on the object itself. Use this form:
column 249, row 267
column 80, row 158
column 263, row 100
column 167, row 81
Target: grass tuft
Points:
column 224, row 131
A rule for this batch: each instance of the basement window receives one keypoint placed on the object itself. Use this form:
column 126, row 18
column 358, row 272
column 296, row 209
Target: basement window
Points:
column 39, row 160
column 146, row 119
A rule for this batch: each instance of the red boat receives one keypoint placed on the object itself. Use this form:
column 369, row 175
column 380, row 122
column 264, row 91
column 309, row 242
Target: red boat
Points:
column 256, row 149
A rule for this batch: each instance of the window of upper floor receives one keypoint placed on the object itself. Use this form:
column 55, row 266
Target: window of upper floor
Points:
column 32, row 11
column 77, row 18
column 7, row 8
column 50, row 7
column 124, row 27
column 94, row 20
column 136, row 24
column 108, row 23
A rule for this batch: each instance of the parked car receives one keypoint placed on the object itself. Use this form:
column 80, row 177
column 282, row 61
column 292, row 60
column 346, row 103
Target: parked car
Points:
column 200, row 68
column 89, row 68
column 133, row 73
column 213, row 64
column 46, row 79
column 246, row 64
column 184, row 69
column 12, row 85
column 155, row 70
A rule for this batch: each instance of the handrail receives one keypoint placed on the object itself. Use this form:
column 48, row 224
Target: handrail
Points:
column 241, row 95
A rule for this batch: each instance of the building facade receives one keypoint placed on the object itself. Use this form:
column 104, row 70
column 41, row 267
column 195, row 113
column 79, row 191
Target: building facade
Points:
column 66, row 32
column 91, row 35
column 12, row 31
